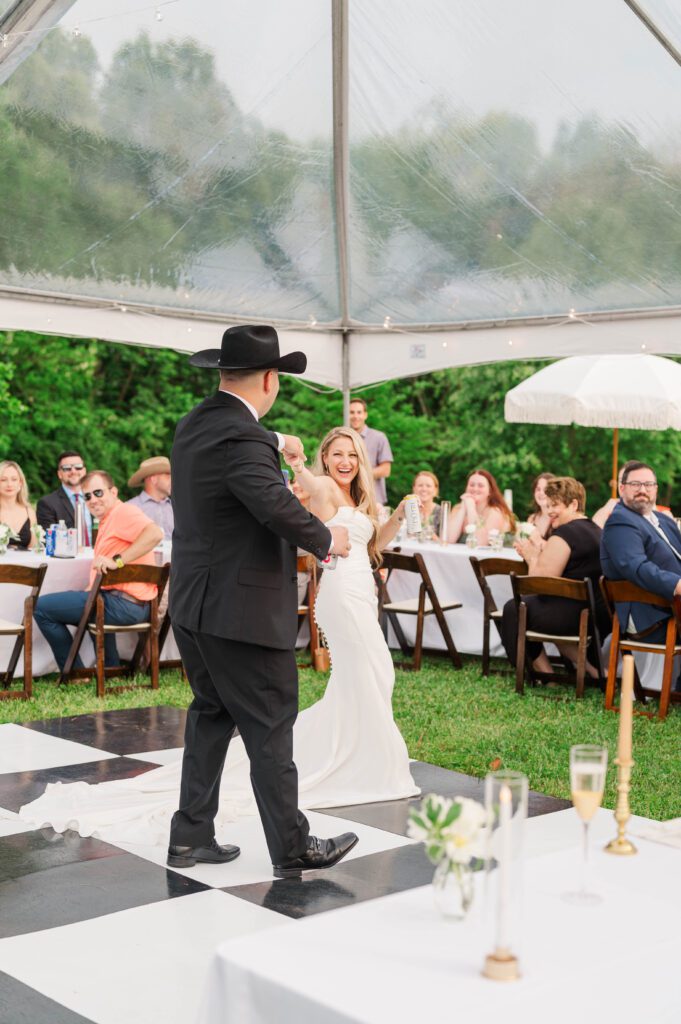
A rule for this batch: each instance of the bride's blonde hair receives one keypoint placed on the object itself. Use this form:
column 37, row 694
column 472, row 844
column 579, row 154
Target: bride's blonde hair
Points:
column 362, row 486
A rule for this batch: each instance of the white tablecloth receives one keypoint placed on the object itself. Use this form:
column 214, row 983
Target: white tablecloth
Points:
column 453, row 578
column 62, row 574
column 395, row 959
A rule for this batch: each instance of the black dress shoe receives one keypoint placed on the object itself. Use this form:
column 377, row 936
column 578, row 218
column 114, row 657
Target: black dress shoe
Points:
column 188, row 856
column 320, row 853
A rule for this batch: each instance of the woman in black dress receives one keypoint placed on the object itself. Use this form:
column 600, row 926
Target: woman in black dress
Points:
column 573, row 552
column 15, row 508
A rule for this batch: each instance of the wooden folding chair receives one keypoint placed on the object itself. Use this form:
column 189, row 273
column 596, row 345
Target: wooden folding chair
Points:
column 427, row 603
column 308, row 564
column 24, row 576
column 621, row 591
column 483, row 569
column 555, row 586
column 147, row 631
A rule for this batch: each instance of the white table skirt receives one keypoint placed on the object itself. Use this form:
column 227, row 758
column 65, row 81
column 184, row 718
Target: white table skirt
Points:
column 62, row 574
column 453, row 578
column 396, row 959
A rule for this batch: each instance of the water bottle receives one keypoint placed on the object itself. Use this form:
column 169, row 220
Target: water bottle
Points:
column 61, row 536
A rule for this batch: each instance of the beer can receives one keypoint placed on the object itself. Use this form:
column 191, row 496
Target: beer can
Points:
column 412, row 514
column 329, row 562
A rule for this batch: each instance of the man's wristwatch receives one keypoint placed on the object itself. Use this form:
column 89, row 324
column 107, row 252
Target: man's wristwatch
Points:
column 118, row 559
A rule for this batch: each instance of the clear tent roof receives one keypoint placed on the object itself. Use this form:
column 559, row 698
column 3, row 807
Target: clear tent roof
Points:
column 398, row 170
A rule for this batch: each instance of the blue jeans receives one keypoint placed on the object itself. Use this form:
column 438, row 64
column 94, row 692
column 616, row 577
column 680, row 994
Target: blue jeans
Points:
column 54, row 612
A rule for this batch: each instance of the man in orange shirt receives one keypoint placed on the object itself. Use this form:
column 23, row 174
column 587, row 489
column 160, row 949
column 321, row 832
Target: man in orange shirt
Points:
column 125, row 536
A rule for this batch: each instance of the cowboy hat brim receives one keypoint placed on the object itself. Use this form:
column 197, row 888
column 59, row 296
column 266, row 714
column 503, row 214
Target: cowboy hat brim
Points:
column 209, row 359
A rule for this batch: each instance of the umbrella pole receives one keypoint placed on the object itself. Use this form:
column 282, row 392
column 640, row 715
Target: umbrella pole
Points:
column 615, row 450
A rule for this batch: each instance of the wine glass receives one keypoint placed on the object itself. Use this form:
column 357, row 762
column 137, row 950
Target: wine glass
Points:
column 588, row 764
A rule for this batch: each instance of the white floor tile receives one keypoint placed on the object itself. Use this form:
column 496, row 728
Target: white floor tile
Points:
column 26, row 750
column 169, row 756
column 142, row 966
column 254, row 864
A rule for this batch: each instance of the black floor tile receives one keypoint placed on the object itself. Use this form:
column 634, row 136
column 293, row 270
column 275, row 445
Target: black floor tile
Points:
column 128, row 731
column 48, row 880
column 353, row 881
column 392, row 816
column 19, row 788
column 20, row 1004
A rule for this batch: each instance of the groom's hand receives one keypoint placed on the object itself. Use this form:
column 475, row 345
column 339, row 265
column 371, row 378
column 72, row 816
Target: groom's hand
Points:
column 293, row 449
column 341, row 541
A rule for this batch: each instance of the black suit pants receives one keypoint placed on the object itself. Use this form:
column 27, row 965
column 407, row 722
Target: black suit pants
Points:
column 255, row 689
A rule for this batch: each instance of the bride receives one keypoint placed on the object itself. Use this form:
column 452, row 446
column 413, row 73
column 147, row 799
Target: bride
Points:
column 347, row 747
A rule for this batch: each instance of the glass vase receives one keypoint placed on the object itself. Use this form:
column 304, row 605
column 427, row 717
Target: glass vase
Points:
column 471, row 540
column 453, row 889
column 3, row 549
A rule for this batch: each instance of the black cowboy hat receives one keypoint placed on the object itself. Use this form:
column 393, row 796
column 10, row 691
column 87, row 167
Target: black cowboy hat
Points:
column 250, row 348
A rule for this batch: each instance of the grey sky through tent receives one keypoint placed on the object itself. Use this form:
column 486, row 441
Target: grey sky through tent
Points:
column 512, row 179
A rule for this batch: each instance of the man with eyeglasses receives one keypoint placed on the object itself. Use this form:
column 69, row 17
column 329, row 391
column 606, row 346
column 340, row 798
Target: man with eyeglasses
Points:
column 61, row 504
column 643, row 547
column 125, row 536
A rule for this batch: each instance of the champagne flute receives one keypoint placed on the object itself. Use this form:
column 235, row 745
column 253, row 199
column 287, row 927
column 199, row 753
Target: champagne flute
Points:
column 588, row 764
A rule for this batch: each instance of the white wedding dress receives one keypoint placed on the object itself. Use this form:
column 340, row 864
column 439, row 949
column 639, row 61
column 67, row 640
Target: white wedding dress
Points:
column 347, row 747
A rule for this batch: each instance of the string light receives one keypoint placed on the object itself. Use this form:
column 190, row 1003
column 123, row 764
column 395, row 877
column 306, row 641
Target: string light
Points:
column 5, row 39
column 76, row 32
column 572, row 315
column 159, row 14
column 312, row 320
column 123, row 309
column 387, row 323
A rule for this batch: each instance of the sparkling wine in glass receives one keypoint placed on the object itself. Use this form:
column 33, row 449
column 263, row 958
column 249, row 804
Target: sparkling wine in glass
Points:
column 588, row 765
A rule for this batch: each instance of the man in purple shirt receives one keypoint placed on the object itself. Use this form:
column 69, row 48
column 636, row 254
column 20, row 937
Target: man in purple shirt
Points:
column 377, row 446
column 153, row 476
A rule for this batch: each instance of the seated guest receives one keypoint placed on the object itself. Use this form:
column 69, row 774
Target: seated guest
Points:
column 61, row 504
column 482, row 506
column 572, row 551
column 426, row 487
column 125, row 536
column 601, row 517
column 645, row 548
column 539, row 517
column 15, row 508
column 153, row 476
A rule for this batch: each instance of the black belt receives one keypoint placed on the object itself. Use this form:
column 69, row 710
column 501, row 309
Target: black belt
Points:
column 129, row 597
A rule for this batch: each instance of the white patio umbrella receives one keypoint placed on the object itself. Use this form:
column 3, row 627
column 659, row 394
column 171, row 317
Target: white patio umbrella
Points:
column 638, row 391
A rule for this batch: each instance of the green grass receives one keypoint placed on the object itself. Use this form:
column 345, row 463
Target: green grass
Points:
column 458, row 720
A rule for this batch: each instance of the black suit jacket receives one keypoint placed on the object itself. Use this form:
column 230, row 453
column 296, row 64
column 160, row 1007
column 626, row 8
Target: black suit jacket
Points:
column 237, row 527
column 55, row 506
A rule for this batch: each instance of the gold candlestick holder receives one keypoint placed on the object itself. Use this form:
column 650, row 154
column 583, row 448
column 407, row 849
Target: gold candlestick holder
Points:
column 621, row 844
column 501, row 965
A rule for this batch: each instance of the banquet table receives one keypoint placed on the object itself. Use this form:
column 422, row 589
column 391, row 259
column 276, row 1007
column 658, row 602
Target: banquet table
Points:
column 396, row 959
column 453, row 578
column 62, row 574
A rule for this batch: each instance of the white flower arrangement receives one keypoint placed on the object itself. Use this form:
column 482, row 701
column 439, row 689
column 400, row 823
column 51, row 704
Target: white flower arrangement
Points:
column 470, row 528
column 6, row 535
column 39, row 536
column 525, row 530
column 452, row 830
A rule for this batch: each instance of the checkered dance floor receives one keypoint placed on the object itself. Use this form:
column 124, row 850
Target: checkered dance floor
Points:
column 91, row 931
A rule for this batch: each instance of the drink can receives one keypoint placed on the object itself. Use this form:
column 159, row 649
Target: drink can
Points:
column 49, row 540
column 71, row 542
column 412, row 514
column 329, row 562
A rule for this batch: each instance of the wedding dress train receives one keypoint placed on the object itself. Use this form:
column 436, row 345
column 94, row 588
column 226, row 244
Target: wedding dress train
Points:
column 347, row 747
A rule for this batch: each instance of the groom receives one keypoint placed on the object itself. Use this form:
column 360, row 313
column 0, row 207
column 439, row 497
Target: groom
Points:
column 233, row 604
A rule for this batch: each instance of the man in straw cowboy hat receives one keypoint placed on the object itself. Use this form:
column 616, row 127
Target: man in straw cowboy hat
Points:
column 153, row 476
column 233, row 603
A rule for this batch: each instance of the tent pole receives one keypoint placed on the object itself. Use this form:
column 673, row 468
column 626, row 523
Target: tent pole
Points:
column 346, row 377
column 615, row 459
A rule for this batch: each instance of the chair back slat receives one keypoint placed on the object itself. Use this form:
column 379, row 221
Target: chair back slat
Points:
column 484, row 567
column 154, row 574
column 394, row 560
column 550, row 586
column 23, row 575
column 622, row 591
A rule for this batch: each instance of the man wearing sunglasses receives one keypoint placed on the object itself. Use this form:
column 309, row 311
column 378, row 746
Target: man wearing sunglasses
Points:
column 61, row 504
column 644, row 547
column 125, row 536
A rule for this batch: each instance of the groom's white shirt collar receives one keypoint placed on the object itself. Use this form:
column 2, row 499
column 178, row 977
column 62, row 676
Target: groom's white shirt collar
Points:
column 254, row 413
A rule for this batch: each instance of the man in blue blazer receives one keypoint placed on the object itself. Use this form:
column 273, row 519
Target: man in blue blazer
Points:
column 642, row 547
